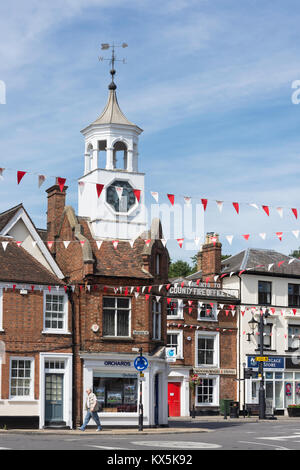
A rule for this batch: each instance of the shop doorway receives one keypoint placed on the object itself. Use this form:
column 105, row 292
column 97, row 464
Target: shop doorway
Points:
column 54, row 398
column 174, row 398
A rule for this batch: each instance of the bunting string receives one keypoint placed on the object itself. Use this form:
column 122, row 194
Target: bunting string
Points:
column 172, row 198
column 208, row 279
column 172, row 302
column 214, row 239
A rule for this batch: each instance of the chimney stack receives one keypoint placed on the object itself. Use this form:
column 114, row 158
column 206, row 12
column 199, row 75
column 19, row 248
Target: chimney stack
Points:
column 56, row 205
column 211, row 256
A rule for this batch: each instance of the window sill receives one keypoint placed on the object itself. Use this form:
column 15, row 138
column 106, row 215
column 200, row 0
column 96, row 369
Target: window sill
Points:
column 117, row 338
column 205, row 366
column 55, row 332
column 207, row 319
column 206, row 404
column 175, row 317
column 22, row 400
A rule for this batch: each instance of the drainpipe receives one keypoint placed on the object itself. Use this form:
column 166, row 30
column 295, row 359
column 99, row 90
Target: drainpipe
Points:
column 71, row 300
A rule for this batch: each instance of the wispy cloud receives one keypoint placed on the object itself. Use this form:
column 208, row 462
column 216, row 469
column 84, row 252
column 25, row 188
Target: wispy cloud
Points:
column 209, row 82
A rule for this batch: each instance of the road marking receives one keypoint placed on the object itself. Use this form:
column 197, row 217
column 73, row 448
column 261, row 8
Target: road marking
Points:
column 281, row 438
column 178, row 445
column 269, row 445
column 107, row 448
column 5, row 448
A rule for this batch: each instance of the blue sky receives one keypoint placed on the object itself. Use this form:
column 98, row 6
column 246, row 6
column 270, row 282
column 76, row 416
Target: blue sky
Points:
column 209, row 81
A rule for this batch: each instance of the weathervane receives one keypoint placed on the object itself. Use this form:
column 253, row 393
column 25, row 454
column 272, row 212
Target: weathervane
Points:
column 113, row 59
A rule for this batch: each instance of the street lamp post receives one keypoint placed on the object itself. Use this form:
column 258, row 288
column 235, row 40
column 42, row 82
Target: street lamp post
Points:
column 140, row 401
column 141, row 407
column 261, row 393
column 244, row 391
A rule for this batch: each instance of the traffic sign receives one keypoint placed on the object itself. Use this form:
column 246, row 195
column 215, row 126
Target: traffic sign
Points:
column 262, row 359
column 171, row 354
column 248, row 373
column 140, row 363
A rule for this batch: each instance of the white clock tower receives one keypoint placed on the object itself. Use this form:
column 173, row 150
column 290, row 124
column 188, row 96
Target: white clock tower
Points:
column 111, row 170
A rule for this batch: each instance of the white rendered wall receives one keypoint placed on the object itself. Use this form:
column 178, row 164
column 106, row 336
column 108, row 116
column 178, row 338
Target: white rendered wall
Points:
column 105, row 222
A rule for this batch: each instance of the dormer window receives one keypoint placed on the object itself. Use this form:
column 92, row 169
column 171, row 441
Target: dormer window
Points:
column 120, row 155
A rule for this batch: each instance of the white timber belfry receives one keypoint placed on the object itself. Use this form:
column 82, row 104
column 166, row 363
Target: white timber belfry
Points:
column 111, row 159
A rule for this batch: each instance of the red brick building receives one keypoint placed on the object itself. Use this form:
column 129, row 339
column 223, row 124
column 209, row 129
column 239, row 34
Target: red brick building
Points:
column 35, row 328
column 202, row 327
column 116, row 307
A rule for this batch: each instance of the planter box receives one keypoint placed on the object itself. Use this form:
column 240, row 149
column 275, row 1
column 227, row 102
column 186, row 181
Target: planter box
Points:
column 294, row 412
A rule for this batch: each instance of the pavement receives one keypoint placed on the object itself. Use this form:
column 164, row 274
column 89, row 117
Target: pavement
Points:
column 176, row 426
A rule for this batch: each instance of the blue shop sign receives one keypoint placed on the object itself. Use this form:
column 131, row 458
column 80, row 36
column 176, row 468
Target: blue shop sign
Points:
column 273, row 362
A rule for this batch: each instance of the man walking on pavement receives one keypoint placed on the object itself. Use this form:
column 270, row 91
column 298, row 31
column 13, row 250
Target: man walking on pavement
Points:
column 91, row 405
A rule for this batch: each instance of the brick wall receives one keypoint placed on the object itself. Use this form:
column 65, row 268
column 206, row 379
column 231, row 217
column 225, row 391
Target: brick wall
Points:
column 22, row 335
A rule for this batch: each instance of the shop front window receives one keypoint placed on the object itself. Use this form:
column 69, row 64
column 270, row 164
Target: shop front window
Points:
column 254, row 392
column 278, row 395
column 116, row 394
column 297, row 388
column 282, row 389
column 205, row 392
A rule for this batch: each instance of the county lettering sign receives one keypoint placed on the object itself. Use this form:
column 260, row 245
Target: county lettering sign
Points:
column 273, row 362
column 204, row 290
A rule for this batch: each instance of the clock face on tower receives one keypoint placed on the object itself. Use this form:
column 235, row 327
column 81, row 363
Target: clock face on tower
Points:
column 121, row 200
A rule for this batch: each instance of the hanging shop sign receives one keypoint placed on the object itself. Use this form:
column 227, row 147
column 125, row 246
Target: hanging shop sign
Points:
column 273, row 362
column 216, row 371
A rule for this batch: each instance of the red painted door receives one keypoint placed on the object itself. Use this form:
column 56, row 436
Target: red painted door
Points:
column 174, row 398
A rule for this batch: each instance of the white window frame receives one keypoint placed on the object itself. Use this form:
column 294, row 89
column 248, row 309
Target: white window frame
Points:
column 179, row 309
column 291, row 324
column 179, row 335
column 116, row 309
column 156, row 316
column 29, row 397
column 207, row 318
column 216, row 381
column 63, row 330
column 216, row 354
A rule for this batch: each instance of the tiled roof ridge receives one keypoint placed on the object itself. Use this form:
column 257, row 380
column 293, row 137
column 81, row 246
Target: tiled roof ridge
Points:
column 43, row 268
column 18, row 206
